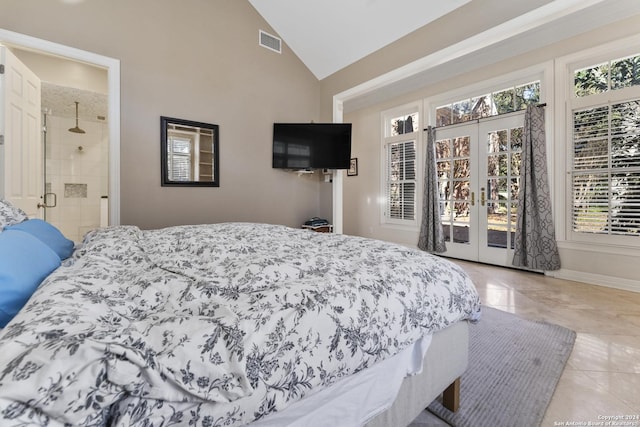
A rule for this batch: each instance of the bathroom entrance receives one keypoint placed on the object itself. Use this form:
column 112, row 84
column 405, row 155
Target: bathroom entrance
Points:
column 76, row 165
column 74, row 154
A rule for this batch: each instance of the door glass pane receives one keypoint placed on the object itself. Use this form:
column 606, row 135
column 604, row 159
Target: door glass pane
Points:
column 461, row 233
column 497, row 189
column 461, row 168
column 515, row 188
column 516, row 161
column 444, row 170
column 461, row 216
column 497, row 141
column 443, row 149
column 497, row 224
column 446, row 229
column 516, row 139
column 461, row 147
column 513, row 221
column 492, row 166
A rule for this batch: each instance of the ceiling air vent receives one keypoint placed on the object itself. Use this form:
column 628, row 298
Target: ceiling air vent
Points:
column 270, row 42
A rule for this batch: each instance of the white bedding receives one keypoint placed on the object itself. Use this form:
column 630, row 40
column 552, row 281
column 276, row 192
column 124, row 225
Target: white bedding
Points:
column 356, row 399
column 216, row 324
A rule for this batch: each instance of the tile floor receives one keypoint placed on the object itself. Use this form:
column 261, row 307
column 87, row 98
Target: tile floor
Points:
column 602, row 375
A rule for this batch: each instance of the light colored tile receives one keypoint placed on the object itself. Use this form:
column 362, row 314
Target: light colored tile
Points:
column 606, row 353
column 593, row 321
column 578, row 398
column 493, row 295
column 623, row 386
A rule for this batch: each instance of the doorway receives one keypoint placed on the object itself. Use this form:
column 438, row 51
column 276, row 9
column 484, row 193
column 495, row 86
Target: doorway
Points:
column 478, row 167
column 112, row 67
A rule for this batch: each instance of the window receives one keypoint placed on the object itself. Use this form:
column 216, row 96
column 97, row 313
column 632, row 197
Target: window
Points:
column 400, row 168
column 179, row 158
column 492, row 104
column 605, row 172
column 401, row 180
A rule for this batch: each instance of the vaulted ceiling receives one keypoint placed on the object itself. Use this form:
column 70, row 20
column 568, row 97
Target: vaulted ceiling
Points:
column 328, row 35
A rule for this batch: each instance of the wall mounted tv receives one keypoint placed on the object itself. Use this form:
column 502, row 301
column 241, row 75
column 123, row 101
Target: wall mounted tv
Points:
column 311, row 145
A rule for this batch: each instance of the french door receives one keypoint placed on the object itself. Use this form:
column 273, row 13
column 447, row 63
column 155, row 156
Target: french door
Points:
column 478, row 167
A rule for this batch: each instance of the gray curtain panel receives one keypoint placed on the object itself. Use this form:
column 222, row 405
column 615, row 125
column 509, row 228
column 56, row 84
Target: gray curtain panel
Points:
column 535, row 242
column 431, row 236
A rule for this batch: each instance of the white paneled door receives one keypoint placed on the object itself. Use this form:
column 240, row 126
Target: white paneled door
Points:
column 21, row 158
column 478, row 167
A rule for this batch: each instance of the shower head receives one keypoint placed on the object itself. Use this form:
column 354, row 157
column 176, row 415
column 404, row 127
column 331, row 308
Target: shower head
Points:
column 76, row 129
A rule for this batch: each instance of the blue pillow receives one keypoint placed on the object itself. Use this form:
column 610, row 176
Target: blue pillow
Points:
column 24, row 263
column 48, row 234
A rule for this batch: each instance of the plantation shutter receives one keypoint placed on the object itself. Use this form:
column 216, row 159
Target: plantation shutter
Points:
column 401, row 180
column 606, row 169
column 180, row 159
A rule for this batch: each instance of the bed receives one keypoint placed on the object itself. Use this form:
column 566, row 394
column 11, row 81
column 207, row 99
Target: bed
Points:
column 234, row 324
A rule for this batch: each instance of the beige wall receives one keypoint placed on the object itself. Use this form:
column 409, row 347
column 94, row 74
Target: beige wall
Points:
column 197, row 60
column 362, row 193
column 63, row 72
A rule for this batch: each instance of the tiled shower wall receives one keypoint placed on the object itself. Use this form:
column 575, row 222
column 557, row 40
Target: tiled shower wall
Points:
column 77, row 172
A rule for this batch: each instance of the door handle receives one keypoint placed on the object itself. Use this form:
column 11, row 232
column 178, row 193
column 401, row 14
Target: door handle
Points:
column 46, row 203
column 473, row 198
column 482, row 199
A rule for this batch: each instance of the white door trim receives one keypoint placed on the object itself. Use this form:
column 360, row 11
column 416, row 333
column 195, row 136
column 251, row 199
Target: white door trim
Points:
column 113, row 75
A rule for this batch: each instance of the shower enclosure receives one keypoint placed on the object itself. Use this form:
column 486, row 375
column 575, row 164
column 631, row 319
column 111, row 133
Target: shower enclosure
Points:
column 76, row 161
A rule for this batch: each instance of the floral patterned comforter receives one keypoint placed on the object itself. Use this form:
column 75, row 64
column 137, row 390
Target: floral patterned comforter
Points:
column 215, row 325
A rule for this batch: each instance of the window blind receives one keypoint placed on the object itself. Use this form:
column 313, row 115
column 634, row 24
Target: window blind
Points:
column 606, row 169
column 401, row 180
column 180, row 159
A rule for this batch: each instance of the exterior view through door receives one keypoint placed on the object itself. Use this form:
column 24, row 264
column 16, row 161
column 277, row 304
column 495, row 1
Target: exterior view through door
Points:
column 478, row 166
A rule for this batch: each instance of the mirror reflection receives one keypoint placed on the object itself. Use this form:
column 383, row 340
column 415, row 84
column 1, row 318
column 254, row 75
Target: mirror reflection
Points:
column 189, row 153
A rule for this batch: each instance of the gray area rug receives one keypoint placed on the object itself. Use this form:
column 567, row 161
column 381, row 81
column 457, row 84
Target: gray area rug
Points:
column 514, row 367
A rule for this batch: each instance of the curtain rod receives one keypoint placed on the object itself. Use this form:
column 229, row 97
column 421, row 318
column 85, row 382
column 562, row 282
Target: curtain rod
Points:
column 544, row 104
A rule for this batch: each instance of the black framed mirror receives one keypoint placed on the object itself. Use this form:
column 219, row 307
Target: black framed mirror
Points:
column 189, row 153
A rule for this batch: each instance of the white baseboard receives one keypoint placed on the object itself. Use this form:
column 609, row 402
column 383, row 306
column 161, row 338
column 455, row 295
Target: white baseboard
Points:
column 597, row 279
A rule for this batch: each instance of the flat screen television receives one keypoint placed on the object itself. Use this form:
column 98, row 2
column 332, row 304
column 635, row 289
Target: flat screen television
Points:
column 311, row 145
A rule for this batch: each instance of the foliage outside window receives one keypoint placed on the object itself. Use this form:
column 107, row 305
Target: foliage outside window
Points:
column 611, row 75
column 400, row 172
column 605, row 175
column 492, row 104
